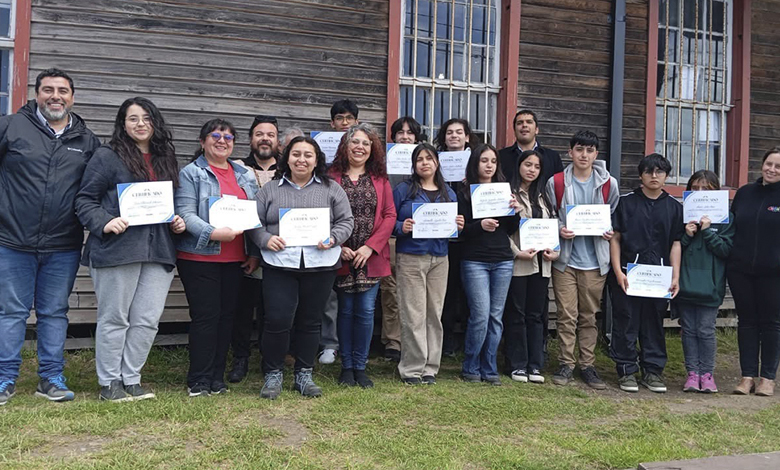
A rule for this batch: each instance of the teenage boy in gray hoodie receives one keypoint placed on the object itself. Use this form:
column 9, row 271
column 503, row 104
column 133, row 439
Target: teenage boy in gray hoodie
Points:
column 581, row 270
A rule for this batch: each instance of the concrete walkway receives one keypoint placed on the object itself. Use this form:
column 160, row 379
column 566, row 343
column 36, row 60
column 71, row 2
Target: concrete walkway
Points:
column 769, row 461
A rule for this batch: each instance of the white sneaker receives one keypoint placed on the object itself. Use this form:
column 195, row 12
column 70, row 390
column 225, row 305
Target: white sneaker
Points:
column 328, row 356
column 536, row 376
column 519, row 375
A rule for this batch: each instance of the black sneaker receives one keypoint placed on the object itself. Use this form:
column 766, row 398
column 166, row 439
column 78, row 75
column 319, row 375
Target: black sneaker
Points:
column 114, row 392
column 347, row 377
column 470, row 378
column 392, row 355
column 591, row 377
column 653, row 382
column 493, row 380
column 199, row 390
column 535, row 376
column 563, row 376
column 362, row 379
column 628, row 383
column 218, row 388
column 136, row 392
column 54, row 389
column 272, row 387
column 7, row 390
column 411, row 381
column 239, row 371
column 428, row 380
column 304, row 383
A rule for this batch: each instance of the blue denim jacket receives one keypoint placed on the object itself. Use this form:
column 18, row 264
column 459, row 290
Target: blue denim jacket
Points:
column 196, row 184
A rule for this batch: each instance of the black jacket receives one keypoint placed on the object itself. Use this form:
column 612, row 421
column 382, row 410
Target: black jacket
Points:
column 551, row 165
column 756, row 210
column 97, row 204
column 40, row 175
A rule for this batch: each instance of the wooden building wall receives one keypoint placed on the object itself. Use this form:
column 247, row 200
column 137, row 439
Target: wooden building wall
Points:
column 202, row 59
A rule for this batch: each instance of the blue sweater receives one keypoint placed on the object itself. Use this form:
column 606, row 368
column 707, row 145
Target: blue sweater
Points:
column 403, row 207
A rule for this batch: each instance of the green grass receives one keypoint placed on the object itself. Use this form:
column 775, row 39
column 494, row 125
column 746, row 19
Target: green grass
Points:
column 452, row 425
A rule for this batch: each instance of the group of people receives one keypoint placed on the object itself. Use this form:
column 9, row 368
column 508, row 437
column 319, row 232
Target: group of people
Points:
column 319, row 301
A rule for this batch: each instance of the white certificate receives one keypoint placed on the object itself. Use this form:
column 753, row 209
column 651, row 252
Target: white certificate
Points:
column 146, row 203
column 304, row 227
column 453, row 165
column 589, row 219
column 713, row 204
column 648, row 280
column 328, row 142
column 399, row 159
column 435, row 220
column 491, row 200
column 230, row 211
column 539, row 234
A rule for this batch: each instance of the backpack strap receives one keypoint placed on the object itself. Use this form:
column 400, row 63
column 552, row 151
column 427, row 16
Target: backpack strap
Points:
column 559, row 186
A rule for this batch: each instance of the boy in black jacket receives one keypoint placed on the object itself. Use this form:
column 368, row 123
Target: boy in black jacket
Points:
column 648, row 225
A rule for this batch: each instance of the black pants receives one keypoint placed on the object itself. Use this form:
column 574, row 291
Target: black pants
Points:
column 250, row 300
column 456, row 308
column 524, row 322
column 212, row 292
column 293, row 300
column 637, row 318
column 757, row 299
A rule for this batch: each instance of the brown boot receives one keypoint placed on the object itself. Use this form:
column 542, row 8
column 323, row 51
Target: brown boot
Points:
column 746, row 385
column 765, row 388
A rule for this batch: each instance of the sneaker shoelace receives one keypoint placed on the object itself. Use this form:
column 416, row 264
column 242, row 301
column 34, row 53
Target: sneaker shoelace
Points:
column 273, row 379
column 4, row 385
column 305, row 379
column 59, row 382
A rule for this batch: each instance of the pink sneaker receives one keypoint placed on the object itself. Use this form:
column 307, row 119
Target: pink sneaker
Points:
column 692, row 384
column 707, row 384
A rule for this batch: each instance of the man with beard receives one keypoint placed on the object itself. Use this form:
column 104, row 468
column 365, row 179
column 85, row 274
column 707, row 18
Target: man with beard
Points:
column 44, row 149
column 526, row 129
column 264, row 144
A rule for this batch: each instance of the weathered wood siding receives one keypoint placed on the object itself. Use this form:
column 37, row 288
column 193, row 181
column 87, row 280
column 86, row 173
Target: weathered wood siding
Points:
column 202, row 59
column 764, row 79
column 565, row 68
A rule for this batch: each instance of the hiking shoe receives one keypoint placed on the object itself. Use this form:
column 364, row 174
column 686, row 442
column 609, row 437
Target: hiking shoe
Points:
column 54, row 389
column 239, row 371
column 411, row 381
column 492, row 380
column 653, row 382
column 136, row 392
column 470, row 378
column 745, row 386
column 347, row 377
column 392, row 355
column 591, row 377
column 272, row 387
column 535, row 376
column 7, row 390
column 362, row 379
column 519, row 375
column 428, row 380
column 114, row 391
column 328, row 356
column 628, row 383
column 692, row 384
column 564, row 375
column 305, row 384
column 765, row 388
column 199, row 390
column 218, row 388
column 708, row 384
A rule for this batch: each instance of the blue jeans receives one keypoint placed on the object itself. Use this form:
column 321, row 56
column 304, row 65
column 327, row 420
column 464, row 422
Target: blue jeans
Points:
column 698, row 336
column 45, row 280
column 356, row 326
column 486, row 285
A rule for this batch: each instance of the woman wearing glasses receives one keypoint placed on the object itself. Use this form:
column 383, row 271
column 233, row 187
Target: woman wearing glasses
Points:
column 212, row 260
column 132, row 267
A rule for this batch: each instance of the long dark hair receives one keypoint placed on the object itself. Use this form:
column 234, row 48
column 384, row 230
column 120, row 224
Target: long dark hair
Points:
column 216, row 124
column 375, row 165
column 441, row 136
column 161, row 146
column 536, row 189
column 707, row 176
column 472, row 167
column 320, row 169
column 415, row 185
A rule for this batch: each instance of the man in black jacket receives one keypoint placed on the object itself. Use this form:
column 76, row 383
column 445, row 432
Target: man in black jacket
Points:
column 526, row 129
column 44, row 149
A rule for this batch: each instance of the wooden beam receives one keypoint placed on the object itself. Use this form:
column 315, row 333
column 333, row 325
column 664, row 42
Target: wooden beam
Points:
column 21, row 54
column 393, row 65
column 508, row 70
column 652, row 75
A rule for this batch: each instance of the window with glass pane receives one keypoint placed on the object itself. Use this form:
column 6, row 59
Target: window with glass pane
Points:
column 450, row 63
column 6, row 48
column 693, row 87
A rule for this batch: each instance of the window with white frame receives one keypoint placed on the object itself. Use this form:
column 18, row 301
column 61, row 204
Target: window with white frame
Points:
column 450, row 63
column 6, row 54
column 694, row 85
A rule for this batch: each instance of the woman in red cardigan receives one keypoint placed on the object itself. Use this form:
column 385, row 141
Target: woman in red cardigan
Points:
column 359, row 167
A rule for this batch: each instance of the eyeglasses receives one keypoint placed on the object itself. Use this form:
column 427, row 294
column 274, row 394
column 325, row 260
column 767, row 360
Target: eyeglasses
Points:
column 216, row 136
column 344, row 118
column 134, row 120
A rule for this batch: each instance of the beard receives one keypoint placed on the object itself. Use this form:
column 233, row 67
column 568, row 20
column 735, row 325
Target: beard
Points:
column 54, row 115
column 263, row 154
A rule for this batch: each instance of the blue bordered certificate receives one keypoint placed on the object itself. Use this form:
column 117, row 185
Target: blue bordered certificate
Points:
column 328, row 142
column 539, row 234
column 589, row 219
column 304, row 227
column 453, row 165
column 649, row 280
column 399, row 159
column 435, row 220
column 713, row 204
column 491, row 200
column 230, row 211
column 146, row 203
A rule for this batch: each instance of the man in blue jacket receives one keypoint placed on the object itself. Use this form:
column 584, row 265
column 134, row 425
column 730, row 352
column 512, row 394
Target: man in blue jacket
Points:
column 44, row 149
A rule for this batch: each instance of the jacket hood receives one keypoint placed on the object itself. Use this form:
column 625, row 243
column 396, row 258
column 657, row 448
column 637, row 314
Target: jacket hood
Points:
column 599, row 170
column 30, row 111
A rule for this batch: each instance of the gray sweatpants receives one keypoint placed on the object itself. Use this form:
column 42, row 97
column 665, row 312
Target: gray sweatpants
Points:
column 131, row 299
